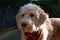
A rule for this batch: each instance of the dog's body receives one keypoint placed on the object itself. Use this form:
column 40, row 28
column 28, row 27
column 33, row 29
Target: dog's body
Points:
column 31, row 18
column 56, row 28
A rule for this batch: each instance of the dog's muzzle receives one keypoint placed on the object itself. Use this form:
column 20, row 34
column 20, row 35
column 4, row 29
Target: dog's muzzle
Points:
column 26, row 22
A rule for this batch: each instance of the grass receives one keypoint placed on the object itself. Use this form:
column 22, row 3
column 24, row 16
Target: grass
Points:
column 10, row 35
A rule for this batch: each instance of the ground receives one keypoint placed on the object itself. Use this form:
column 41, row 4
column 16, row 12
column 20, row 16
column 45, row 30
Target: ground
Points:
column 10, row 35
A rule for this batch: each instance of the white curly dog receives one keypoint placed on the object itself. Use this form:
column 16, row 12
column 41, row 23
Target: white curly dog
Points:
column 35, row 24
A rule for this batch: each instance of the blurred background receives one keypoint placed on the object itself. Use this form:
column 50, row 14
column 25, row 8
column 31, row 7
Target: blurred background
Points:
column 9, row 9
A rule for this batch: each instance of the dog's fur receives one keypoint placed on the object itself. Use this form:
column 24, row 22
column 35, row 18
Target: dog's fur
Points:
column 36, row 19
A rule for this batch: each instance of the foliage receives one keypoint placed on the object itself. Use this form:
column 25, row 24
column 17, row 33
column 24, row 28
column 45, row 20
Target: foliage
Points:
column 49, row 6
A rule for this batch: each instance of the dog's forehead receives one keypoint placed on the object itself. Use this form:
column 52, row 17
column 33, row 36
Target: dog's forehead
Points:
column 28, row 6
column 28, row 12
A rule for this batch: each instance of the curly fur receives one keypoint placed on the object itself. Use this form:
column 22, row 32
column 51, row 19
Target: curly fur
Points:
column 36, row 19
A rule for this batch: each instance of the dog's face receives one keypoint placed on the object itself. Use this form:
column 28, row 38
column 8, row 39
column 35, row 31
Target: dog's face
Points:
column 30, row 19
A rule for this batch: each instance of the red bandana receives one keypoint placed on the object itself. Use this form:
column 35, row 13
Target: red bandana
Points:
column 34, row 36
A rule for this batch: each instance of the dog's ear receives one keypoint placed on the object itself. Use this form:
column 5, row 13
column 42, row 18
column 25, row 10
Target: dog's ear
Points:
column 17, row 17
column 42, row 17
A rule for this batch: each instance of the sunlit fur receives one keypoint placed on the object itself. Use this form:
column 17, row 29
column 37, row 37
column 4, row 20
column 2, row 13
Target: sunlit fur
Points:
column 39, row 20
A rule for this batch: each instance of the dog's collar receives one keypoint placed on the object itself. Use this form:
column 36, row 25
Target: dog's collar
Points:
column 34, row 36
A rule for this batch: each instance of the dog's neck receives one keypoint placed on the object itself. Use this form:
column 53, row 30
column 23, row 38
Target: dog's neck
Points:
column 34, row 36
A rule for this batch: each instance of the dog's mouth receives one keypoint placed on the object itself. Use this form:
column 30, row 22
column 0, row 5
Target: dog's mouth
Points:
column 36, row 32
column 34, row 36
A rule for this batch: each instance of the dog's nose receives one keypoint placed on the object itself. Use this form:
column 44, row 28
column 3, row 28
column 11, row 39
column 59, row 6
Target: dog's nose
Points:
column 24, row 24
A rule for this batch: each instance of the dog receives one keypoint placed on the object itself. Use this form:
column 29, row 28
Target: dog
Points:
column 35, row 24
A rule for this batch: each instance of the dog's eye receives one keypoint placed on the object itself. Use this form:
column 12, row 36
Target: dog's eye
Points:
column 31, row 15
column 23, row 15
